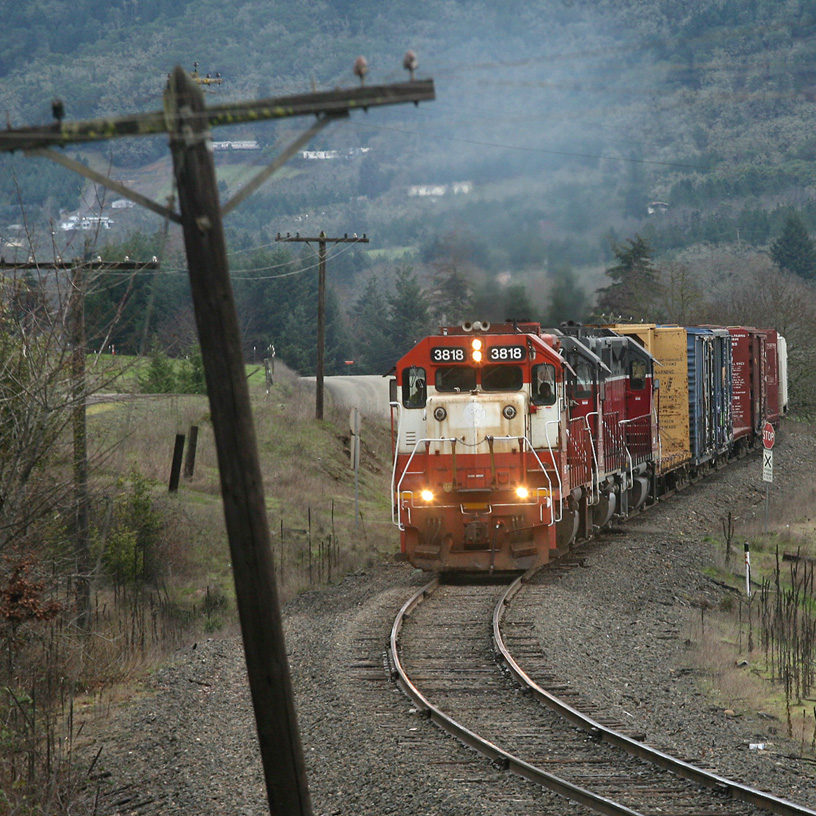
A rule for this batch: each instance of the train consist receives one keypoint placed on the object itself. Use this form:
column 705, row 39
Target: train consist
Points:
column 511, row 442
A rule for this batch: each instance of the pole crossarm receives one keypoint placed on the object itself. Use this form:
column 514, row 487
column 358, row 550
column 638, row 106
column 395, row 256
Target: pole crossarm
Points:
column 105, row 181
column 346, row 239
column 328, row 103
column 119, row 266
column 273, row 167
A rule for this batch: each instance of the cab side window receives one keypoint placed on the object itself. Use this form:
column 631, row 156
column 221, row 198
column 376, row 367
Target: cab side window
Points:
column 583, row 380
column 414, row 387
column 637, row 375
column 543, row 384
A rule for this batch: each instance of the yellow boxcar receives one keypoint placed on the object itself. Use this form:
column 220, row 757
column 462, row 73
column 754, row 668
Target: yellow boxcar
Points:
column 669, row 346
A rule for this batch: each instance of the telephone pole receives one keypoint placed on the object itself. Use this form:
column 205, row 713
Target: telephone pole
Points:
column 321, row 242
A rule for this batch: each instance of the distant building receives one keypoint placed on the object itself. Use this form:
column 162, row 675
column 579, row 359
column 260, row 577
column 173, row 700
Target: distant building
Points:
column 85, row 222
column 237, row 144
column 657, row 207
column 330, row 155
column 456, row 188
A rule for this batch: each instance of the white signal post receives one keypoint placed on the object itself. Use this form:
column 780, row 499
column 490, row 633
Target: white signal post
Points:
column 747, row 570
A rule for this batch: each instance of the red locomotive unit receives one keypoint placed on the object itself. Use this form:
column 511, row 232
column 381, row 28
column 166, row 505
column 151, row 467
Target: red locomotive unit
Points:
column 510, row 441
column 481, row 448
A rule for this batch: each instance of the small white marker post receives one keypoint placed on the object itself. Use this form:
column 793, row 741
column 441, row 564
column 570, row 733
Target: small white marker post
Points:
column 747, row 569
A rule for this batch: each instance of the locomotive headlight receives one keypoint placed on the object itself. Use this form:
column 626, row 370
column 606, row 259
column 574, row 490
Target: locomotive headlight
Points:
column 508, row 411
column 427, row 495
column 522, row 492
column 440, row 413
column 476, row 349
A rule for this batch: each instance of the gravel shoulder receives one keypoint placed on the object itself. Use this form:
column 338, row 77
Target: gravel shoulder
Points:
column 623, row 632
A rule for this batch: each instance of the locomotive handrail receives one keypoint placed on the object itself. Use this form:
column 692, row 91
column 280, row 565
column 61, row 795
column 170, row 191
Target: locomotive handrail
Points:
column 596, row 473
column 397, row 490
column 396, row 487
column 556, row 422
column 640, row 418
column 398, row 406
column 633, row 419
column 523, row 440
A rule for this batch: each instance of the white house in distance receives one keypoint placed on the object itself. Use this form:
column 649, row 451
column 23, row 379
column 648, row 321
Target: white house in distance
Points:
column 85, row 222
column 456, row 188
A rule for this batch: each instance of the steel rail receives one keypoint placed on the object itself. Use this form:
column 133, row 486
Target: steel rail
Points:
column 504, row 759
column 727, row 787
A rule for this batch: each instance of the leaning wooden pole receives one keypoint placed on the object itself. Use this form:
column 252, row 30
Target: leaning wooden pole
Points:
column 241, row 484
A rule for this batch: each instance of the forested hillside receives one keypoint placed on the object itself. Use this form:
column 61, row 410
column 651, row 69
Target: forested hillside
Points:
column 560, row 132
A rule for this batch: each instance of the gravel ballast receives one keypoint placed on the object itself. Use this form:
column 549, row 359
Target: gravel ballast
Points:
column 623, row 632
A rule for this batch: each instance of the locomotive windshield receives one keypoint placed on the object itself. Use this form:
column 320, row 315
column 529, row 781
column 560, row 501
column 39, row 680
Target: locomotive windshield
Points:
column 502, row 378
column 455, row 378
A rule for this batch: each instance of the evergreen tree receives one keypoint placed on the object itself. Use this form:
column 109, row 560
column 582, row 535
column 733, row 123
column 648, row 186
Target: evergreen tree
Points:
column 338, row 343
column 568, row 301
column 516, row 303
column 160, row 375
column 794, row 250
column 452, row 295
column 374, row 343
column 123, row 309
column 410, row 316
column 268, row 287
column 633, row 291
column 190, row 376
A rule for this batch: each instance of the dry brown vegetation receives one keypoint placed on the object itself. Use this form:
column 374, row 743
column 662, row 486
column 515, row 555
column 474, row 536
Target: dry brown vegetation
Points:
column 162, row 567
column 757, row 651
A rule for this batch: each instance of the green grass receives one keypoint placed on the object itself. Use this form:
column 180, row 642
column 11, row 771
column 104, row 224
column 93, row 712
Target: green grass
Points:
column 304, row 465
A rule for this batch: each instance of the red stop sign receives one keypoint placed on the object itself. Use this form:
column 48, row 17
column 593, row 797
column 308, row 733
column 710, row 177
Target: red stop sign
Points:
column 768, row 436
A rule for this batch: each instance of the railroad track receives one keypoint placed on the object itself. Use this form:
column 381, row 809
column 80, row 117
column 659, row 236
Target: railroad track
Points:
column 443, row 651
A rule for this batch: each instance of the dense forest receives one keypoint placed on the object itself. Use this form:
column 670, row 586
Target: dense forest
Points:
column 560, row 133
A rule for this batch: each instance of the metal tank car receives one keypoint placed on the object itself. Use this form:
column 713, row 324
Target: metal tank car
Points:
column 512, row 441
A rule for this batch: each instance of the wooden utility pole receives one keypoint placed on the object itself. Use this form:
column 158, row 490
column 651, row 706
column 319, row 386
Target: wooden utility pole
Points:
column 237, row 450
column 321, row 241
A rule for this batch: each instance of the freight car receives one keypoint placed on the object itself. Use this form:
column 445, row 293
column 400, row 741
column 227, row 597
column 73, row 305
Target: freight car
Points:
column 511, row 441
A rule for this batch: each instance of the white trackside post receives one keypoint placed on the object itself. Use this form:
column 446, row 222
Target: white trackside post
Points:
column 747, row 569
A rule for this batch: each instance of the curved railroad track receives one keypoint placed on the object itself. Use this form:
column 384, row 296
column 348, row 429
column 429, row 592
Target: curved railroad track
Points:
column 443, row 650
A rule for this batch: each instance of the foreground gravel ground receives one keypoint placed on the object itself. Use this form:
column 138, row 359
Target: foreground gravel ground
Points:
column 621, row 631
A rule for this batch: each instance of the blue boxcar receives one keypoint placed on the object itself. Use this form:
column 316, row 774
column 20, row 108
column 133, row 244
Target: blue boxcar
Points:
column 710, row 388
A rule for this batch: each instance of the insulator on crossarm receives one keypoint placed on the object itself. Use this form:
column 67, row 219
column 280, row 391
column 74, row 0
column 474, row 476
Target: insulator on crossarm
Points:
column 409, row 63
column 361, row 68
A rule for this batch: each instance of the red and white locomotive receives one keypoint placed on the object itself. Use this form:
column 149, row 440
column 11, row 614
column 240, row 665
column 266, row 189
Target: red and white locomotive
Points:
column 510, row 441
